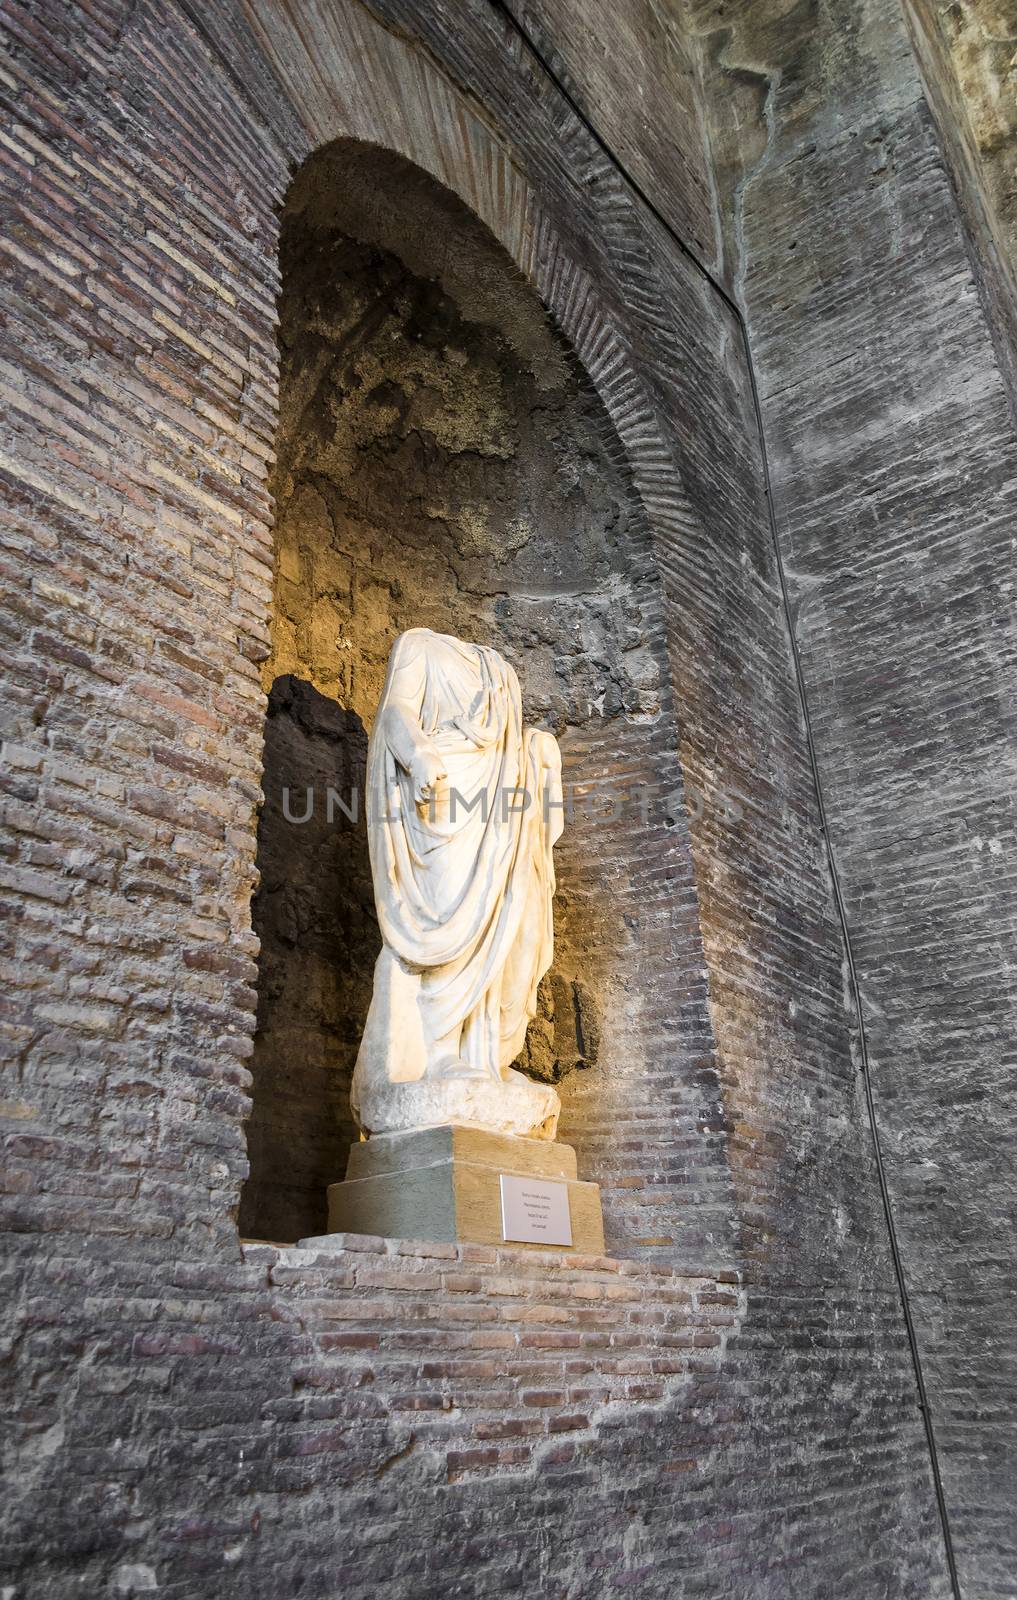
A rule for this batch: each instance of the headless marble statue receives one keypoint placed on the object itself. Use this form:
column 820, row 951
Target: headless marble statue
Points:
column 463, row 809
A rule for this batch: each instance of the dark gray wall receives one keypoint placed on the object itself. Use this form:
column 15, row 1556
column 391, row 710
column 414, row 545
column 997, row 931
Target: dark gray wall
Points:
column 967, row 54
column 868, row 236
column 895, row 480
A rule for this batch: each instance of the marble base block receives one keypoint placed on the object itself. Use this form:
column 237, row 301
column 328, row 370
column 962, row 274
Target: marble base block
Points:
column 445, row 1184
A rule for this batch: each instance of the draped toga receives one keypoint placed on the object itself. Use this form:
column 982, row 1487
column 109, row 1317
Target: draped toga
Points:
column 464, row 878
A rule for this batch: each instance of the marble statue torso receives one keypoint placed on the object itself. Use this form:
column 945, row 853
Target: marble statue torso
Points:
column 463, row 809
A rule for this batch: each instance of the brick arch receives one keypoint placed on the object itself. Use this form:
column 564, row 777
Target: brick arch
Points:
column 380, row 90
column 635, row 1089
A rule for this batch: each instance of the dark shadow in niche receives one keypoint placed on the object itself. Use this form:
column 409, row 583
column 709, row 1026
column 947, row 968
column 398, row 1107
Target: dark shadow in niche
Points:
column 314, row 914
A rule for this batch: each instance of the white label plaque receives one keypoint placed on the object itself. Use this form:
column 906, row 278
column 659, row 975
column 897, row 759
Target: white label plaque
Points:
column 533, row 1212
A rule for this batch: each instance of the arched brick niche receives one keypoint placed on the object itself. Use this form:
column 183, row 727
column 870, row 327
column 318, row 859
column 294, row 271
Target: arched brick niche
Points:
column 661, row 1147
column 444, row 459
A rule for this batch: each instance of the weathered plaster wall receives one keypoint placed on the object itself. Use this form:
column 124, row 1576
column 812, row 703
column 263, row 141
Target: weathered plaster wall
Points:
column 168, row 1436
column 894, row 470
column 967, row 53
column 379, row 1418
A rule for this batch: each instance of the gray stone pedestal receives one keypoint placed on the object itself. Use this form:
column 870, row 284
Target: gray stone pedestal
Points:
column 446, row 1184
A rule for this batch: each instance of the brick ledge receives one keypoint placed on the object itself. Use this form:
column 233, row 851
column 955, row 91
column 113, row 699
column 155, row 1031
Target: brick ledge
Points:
column 484, row 1359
